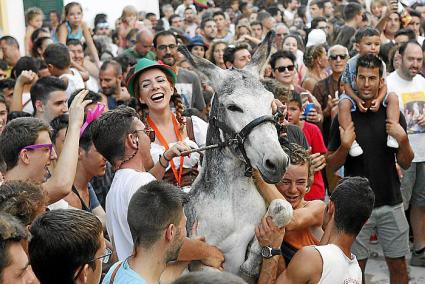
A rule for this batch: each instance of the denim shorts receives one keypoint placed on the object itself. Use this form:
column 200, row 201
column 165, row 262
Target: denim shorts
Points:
column 344, row 96
column 391, row 228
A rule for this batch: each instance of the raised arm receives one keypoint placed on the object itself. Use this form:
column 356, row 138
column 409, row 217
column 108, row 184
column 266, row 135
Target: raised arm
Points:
column 26, row 78
column 90, row 43
column 60, row 183
column 309, row 216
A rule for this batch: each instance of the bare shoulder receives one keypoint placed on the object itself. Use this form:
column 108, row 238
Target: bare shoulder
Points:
column 316, row 203
column 305, row 267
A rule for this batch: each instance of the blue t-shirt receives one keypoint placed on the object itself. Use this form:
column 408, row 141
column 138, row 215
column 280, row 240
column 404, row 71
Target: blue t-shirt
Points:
column 124, row 275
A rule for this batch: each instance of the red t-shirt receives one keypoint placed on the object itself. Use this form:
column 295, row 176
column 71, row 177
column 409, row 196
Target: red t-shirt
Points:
column 315, row 140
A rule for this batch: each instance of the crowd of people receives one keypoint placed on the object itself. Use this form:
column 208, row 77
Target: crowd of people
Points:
column 95, row 123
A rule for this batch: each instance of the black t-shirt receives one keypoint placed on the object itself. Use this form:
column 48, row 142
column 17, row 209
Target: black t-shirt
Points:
column 378, row 160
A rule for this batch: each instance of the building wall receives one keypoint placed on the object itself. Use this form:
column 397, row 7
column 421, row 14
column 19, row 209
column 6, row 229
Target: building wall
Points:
column 12, row 20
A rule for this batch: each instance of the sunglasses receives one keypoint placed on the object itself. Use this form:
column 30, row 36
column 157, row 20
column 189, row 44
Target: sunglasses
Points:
column 39, row 146
column 149, row 132
column 282, row 69
column 335, row 57
column 105, row 259
column 164, row 46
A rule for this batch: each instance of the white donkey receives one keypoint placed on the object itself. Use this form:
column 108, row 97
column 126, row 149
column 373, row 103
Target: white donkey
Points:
column 224, row 200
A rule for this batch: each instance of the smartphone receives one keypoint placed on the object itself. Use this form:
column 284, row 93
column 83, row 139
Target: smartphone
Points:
column 307, row 109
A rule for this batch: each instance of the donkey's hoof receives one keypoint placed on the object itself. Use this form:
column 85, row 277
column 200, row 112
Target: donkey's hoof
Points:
column 281, row 211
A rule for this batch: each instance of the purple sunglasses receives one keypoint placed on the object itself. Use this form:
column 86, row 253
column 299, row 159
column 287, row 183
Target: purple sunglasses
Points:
column 39, row 146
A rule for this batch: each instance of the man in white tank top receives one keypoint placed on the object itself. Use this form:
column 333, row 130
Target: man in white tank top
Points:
column 349, row 208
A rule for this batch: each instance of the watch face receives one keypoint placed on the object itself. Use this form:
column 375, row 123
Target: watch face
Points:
column 266, row 252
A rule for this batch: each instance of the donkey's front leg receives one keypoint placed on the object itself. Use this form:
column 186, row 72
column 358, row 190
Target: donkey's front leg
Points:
column 281, row 212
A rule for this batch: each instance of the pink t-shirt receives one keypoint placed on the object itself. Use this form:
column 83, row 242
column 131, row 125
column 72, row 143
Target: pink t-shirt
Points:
column 315, row 140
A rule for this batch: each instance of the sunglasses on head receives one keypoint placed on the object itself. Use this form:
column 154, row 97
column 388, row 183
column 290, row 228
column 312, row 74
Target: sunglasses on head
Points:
column 335, row 57
column 282, row 69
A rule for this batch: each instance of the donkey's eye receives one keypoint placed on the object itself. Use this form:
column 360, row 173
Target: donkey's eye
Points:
column 234, row 108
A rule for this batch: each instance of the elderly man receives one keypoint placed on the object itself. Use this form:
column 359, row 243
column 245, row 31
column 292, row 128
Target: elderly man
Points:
column 327, row 90
column 142, row 48
column 281, row 31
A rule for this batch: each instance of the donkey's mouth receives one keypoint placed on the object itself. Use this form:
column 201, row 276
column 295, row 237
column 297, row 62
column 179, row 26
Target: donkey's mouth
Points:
column 271, row 178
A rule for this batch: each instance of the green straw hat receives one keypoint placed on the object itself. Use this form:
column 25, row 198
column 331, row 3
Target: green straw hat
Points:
column 145, row 64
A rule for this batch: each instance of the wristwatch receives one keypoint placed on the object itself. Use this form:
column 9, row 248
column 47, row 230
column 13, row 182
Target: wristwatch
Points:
column 268, row 252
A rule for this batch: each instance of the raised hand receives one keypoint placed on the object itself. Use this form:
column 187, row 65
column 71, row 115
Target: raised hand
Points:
column 76, row 110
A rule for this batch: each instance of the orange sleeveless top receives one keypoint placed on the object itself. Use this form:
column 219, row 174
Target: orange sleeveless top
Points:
column 301, row 238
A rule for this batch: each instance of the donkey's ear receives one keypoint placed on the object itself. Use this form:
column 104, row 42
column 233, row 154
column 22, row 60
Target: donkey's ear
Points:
column 261, row 56
column 212, row 72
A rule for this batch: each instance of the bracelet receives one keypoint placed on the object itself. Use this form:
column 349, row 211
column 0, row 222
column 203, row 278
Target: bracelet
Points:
column 159, row 160
column 165, row 158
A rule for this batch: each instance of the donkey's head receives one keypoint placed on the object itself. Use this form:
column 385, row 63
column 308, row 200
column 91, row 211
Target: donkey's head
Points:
column 239, row 99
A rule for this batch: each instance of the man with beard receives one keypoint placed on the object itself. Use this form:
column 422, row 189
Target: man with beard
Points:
column 410, row 88
column 188, row 84
column 158, row 240
column 190, row 25
column 110, row 77
column 208, row 30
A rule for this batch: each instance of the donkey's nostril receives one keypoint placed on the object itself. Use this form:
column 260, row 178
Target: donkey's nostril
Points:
column 270, row 165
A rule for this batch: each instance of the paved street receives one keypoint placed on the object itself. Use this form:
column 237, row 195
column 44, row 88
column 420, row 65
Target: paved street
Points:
column 377, row 272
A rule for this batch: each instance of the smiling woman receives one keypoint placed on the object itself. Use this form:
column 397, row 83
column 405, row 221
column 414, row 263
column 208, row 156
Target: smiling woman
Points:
column 153, row 86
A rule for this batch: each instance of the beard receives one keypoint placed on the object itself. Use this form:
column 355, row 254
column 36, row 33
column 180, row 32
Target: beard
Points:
column 109, row 91
column 173, row 251
column 169, row 60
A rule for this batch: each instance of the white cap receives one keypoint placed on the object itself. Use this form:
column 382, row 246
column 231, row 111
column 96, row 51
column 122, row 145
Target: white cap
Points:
column 315, row 37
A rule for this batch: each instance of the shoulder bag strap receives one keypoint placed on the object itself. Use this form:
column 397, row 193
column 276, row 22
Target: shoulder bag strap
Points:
column 115, row 273
column 189, row 129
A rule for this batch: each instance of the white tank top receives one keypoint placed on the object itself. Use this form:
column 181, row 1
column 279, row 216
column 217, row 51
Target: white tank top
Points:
column 337, row 267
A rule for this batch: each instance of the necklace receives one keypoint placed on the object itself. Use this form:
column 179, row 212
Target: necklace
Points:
column 163, row 141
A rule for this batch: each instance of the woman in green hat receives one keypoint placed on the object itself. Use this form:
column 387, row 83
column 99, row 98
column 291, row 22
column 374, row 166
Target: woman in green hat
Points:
column 152, row 84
